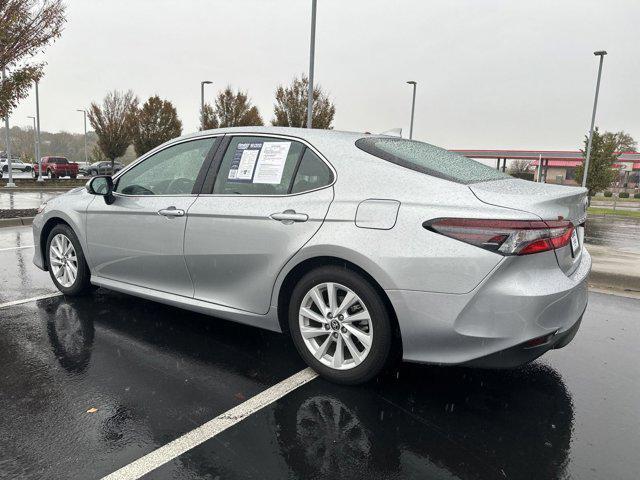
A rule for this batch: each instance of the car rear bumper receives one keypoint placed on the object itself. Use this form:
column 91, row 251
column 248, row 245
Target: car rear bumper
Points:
column 522, row 299
column 527, row 351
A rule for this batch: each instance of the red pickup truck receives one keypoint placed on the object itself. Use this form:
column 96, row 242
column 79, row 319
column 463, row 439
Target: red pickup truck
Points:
column 54, row 167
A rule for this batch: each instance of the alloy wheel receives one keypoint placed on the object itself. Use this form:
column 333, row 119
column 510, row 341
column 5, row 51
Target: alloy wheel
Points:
column 335, row 325
column 63, row 260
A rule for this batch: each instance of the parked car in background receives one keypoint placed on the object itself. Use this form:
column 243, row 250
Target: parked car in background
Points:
column 353, row 244
column 55, row 167
column 102, row 168
column 83, row 167
column 17, row 165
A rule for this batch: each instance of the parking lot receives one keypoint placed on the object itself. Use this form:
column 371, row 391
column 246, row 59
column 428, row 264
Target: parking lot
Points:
column 92, row 384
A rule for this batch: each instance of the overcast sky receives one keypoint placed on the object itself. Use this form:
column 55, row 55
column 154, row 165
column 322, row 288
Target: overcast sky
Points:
column 491, row 74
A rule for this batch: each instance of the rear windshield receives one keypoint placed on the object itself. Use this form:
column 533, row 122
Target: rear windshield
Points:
column 58, row 160
column 429, row 159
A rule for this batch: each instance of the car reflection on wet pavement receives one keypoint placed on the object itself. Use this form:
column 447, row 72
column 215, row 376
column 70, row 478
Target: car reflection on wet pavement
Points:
column 153, row 373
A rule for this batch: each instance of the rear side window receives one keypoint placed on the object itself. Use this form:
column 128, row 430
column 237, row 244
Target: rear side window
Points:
column 428, row 159
column 312, row 173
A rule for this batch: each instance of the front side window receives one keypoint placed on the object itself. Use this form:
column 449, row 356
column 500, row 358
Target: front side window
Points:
column 172, row 171
column 258, row 166
column 428, row 159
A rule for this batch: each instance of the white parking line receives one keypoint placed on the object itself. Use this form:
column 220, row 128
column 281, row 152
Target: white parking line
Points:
column 32, row 299
column 16, row 248
column 195, row 437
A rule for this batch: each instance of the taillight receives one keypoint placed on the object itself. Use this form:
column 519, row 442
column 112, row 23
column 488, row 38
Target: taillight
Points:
column 506, row 237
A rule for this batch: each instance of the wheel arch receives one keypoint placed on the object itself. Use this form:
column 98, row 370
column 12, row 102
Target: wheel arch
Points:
column 295, row 273
column 49, row 224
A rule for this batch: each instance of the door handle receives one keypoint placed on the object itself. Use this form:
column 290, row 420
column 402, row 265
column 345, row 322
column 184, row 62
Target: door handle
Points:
column 289, row 216
column 171, row 212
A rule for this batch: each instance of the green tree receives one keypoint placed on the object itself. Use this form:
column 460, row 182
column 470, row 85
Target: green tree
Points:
column 208, row 119
column 113, row 123
column 26, row 28
column 155, row 123
column 235, row 110
column 290, row 109
column 603, row 154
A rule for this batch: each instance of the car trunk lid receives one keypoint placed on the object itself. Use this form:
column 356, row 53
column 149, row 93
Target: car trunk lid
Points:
column 549, row 202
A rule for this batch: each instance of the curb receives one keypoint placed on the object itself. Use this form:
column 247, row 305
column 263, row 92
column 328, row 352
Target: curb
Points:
column 15, row 222
column 618, row 281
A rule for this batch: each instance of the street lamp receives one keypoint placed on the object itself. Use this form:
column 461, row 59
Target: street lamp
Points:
column 39, row 158
column 84, row 112
column 601, row 54
column 312, row 52
column 35, row 140
column 413, row 107
column 202, row 84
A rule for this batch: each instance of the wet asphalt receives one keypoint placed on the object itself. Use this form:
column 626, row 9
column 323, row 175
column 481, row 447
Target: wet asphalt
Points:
column 153, row 373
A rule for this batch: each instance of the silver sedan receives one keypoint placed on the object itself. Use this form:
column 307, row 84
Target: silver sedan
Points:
column 356, row 245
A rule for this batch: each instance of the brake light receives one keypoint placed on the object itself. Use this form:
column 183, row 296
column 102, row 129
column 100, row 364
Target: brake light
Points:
column 506, row 237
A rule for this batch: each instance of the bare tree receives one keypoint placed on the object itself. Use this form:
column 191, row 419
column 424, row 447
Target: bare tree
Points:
column 155, row 123
column 290, row 109
column 519, row 166
column 113, row 123
column 26, row 27
column 235, row 110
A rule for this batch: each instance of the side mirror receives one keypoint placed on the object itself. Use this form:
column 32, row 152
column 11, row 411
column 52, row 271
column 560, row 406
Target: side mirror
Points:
column 103, row 186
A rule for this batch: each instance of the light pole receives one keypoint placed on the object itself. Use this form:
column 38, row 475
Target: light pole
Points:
column 84, row 112
column 35, row 139
column 413, row 107
column 40, row 179
column 7, row 137
column 202, row 84
column 312, row 53
column 601, row 54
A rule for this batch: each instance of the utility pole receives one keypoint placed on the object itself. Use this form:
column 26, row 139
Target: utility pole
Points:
column 202, row 84
column 413, row 107
column 86, row 156
column 312, row 52
column 40, row 179
column 601, row 54
column 35, row 140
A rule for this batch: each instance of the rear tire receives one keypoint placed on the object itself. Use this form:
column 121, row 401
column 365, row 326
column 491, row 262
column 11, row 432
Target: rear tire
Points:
column 67, row 266
column 335, row 345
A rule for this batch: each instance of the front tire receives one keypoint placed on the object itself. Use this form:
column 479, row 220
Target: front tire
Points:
column 340, row 325
column 67, row 265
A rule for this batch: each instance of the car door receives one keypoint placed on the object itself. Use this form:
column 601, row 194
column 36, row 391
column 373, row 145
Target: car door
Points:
column 256, row 211
column 138, row 239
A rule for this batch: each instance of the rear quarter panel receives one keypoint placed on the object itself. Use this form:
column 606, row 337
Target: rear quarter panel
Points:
column 406, row 256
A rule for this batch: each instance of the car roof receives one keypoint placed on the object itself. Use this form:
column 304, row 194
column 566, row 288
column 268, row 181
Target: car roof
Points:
column 312, row 135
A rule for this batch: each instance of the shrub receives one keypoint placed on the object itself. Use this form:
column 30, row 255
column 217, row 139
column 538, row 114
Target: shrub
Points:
column 636, row 195
column 608, row 194
column 623, row 195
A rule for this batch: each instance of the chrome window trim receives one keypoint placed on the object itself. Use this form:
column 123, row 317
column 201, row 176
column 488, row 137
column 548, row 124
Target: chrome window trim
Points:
column 150, row 153
column 286, row 137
